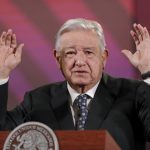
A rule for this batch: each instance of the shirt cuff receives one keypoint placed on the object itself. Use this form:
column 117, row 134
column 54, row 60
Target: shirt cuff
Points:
column 3, row 81
column 147, row 80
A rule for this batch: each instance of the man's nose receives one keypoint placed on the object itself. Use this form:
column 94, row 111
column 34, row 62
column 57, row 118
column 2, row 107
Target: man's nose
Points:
column 80, row 59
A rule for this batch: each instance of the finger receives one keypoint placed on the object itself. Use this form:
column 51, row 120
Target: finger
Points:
column 13, row 41
column 128, row 54
column 8, row 37
column 135, row 38
column 138, row 32
column 18, row 52
column 141, row 29
column 2, row 38
column 146, row 33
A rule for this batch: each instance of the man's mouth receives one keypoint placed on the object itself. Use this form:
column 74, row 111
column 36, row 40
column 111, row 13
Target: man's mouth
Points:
column 80, row 72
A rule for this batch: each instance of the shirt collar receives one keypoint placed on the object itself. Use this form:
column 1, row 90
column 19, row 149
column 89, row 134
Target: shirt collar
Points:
column 73, row 93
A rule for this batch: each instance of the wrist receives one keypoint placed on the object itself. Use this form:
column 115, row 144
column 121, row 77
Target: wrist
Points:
column 143, row 68
column 4, row 74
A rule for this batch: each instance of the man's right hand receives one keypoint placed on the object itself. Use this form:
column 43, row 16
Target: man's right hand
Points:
column 10, row 53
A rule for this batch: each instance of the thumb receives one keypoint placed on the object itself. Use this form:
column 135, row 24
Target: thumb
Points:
column 128, row 54
column 18, row 52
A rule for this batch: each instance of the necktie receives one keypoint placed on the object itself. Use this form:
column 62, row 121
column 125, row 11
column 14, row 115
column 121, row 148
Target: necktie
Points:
column 82, row 111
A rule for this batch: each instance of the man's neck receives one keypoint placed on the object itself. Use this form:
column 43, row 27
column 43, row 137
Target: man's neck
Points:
column 82, row 88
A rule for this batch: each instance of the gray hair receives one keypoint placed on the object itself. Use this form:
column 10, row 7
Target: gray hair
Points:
column 80, row 23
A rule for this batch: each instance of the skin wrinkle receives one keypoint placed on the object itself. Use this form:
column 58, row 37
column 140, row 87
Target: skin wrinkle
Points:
column 80, row 59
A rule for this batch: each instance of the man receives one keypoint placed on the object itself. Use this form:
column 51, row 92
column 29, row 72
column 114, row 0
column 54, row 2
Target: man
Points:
column 89, row 99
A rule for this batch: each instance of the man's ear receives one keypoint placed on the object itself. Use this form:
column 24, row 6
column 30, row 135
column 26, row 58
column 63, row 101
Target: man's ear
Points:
column 57, row 57
column 104, row 57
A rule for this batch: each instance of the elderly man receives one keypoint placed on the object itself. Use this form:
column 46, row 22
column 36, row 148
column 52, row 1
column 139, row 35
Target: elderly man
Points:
column 88, row 99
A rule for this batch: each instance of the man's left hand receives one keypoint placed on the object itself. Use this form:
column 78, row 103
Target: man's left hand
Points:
column 141, row 58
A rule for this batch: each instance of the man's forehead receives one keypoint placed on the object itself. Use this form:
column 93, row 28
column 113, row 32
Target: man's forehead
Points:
column 78, row 38
column 79, row 31
column 79, row 46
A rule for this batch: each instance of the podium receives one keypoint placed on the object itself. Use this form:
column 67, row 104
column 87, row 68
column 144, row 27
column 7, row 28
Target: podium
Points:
column 78, row 140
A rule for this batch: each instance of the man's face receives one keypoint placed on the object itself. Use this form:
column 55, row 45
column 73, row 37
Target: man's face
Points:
column 80, row 58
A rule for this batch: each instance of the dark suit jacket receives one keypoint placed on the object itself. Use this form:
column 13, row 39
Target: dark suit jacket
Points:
column 121, row 106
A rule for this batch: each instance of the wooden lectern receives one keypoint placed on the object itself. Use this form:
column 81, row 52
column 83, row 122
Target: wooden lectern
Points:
column 78, row 140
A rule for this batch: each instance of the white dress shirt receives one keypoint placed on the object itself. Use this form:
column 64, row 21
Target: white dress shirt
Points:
column 74, row 94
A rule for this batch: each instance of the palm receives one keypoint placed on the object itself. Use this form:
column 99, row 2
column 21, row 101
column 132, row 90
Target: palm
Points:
column 140, row 59
column 135, row 59
column 10, row 54
column 141, row 56
column 10, row 62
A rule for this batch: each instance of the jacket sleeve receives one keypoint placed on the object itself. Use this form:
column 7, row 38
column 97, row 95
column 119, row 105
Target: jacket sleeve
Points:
column 3, row 103
column 143, row 107
column 20, row 114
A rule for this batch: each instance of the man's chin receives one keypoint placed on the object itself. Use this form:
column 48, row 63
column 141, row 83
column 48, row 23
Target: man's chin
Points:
column 81, row 83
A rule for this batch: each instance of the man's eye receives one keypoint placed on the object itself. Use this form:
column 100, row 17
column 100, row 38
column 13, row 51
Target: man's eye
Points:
column 88, row 52
column 70, row 53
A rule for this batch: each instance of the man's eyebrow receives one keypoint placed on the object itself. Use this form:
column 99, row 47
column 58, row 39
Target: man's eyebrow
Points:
column 89, row 47
column 68, row 47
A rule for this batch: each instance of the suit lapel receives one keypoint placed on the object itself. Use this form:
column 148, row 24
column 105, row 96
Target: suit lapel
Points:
column 99, row 108
column 61, row 107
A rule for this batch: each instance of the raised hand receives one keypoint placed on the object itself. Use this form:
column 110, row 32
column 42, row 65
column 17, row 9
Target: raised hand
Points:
column 10, row 53
column 141, row 58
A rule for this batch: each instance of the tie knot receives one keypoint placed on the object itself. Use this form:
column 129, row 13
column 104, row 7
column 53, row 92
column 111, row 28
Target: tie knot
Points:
column 81, row 100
